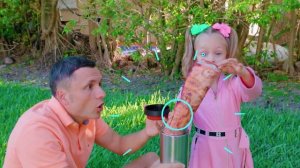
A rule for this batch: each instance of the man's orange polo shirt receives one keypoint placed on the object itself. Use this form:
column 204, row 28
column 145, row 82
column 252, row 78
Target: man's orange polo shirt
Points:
column 46, row 136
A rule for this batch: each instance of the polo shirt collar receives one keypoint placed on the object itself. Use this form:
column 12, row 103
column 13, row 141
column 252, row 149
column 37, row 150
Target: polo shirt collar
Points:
column 61, row 112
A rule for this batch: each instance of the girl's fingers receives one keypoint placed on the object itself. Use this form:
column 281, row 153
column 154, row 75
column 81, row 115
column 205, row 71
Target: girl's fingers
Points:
column 223, row 68
column 222, row 63
column 228, row 67
column 232, row 66
column 227, row 61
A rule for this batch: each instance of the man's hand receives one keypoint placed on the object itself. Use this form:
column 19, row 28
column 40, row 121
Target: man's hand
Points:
column 157, row 164
column 153, row 127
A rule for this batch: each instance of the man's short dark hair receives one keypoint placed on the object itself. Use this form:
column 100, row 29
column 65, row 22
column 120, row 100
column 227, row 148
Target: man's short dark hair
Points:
column 65, row 67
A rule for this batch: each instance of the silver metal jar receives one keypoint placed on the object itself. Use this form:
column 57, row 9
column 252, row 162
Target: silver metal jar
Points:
column 174, row 148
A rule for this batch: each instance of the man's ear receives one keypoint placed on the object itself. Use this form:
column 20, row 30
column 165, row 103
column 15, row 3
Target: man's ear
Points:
column 61, row 97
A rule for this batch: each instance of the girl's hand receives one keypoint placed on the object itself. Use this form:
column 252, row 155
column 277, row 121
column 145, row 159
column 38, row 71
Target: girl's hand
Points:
column 232, row 66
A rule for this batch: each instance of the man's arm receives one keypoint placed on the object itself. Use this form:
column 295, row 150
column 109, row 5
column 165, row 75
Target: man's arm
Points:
column 120, row 144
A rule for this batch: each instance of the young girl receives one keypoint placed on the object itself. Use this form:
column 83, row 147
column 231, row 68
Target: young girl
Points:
column 220, row 141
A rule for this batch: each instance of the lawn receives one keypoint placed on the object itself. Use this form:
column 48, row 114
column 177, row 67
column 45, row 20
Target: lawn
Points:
column 274, row 131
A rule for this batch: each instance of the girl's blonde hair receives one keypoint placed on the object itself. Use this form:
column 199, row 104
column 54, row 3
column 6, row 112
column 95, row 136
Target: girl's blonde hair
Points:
column 187, row 59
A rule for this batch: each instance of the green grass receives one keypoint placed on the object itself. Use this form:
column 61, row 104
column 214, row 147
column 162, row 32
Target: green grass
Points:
column 274, row 134
column 276, row 77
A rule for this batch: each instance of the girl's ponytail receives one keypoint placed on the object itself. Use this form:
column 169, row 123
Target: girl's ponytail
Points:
column 232, row 44
column 187, row 59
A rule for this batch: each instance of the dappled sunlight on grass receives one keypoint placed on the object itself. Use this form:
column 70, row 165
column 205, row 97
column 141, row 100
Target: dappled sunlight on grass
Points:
column 129, row 109
column 274, row 137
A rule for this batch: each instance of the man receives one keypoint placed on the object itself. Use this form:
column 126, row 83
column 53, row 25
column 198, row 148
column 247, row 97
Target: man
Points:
column 61, row 131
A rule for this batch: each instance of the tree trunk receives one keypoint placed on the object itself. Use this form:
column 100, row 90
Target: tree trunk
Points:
column 146, row 32
column 102, row 53
column 49, row 31
column 179, row 47
column 262, row 31
column 291, row 44
column 271, row 25
column 99, row 44
column 202, row 3
column 161, row 41
column 111, row 44
column 260, row 42
column 242, row 29
column 144, row 14
column 105, row 60
column 179, row 54
column 298, row 37
column 92, row 38
column 218, row 5
column 242, row 34
column 2, row 48
column 101, row 47
column 99, row 54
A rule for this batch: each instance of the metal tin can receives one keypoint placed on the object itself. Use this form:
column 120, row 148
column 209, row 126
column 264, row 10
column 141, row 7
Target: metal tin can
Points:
column 174, row 148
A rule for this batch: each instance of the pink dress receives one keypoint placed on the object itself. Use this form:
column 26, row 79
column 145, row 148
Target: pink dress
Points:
column 216, row 113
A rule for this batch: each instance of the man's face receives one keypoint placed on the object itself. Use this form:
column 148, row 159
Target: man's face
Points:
column 83, row 95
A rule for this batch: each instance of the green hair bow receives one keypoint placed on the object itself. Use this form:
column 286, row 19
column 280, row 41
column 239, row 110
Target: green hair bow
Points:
column 199, row 28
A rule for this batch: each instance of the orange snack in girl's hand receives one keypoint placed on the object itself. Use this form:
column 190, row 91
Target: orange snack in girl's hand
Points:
column 197, row 83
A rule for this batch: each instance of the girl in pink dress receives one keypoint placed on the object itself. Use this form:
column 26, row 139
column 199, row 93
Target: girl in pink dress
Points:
column 220, row 141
